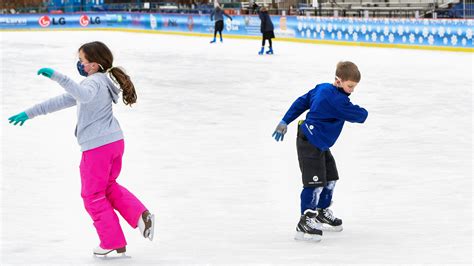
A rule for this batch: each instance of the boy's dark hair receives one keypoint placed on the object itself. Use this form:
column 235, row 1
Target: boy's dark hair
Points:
column 99, row 53
column 347, row 70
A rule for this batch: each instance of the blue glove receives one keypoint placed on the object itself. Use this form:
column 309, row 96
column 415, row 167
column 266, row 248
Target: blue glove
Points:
column 280, row 131
column 19, row 118
column 47, row 72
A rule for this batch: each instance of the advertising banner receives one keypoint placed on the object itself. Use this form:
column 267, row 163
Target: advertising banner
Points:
column 422, row 33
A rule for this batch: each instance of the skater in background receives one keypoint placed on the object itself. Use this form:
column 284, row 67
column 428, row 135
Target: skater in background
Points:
column 102, row 143
column 266, row 28
column 254, row 8
column 218, row 15
column 329, row 107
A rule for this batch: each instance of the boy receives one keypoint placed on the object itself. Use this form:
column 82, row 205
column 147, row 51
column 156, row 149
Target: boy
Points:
column 329, row 107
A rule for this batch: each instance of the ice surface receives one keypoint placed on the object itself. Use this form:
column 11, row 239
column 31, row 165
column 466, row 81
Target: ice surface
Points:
column 199, row 153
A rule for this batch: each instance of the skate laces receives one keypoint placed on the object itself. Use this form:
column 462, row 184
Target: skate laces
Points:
column 311, row 222
column 328, row 214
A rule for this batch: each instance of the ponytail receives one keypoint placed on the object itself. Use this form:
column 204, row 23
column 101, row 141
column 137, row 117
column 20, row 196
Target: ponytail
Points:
column 129, row 96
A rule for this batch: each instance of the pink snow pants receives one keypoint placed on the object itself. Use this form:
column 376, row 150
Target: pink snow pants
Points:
column 101, row 193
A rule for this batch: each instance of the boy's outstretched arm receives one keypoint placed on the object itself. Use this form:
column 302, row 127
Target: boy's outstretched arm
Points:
column 297, row 108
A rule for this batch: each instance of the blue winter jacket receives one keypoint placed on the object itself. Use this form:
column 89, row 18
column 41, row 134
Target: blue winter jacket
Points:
column 329, row 107
column 266, row 22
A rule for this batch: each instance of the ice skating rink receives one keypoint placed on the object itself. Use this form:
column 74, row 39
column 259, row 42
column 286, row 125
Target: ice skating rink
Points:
column 199, row 153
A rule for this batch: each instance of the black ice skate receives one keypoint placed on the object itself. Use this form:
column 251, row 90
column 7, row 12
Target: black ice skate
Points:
column 308, row 229
column 328, row 221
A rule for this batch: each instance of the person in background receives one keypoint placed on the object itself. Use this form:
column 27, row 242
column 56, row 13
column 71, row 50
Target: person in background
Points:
column 266, row 28
column 218, row 15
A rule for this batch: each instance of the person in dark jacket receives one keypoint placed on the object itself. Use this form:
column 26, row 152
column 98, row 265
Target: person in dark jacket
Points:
column 329, row 108
column 254, row 8
column 266, row 28
column 218, row 14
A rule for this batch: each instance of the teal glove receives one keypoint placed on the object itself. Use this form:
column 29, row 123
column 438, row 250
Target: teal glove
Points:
column 19, row 118
column 47, row 72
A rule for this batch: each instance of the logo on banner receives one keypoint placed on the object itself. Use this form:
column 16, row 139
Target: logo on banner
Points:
column 84, row 20
column 136, row 20
column 232, row 25
column 153, row 22
column 283, row 22
column 44, row 21
column 190, row 23
column 170, row 23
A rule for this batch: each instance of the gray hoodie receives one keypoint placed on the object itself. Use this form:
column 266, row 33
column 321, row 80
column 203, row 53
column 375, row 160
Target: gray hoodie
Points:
column 218, row 14
column 96, row 124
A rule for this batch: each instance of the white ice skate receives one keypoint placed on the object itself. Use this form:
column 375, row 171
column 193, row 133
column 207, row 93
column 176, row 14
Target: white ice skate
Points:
column 102, row 253
column 146, row 224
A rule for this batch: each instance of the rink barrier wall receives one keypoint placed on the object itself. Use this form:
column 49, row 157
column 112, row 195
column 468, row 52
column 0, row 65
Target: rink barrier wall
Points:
column 431, row 34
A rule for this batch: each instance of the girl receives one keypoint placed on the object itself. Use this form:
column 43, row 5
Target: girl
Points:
column 218, row 14
column 266, row 28
column 100, row 137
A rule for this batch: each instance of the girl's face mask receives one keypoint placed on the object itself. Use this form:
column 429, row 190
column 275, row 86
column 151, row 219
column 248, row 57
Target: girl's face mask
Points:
column 81, row 70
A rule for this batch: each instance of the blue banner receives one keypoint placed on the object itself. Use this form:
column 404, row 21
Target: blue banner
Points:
column 423, row 33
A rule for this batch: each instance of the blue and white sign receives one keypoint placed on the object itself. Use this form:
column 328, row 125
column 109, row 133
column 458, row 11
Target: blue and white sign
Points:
column 423, row 33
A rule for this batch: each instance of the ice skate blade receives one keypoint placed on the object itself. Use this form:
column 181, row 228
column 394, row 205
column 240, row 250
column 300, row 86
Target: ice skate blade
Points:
column 113, row 257
column 330, row 228
column 108, row 251
column 307, row 237
column 151, row 230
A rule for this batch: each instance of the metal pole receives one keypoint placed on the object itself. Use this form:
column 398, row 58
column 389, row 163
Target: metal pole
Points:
column 464, row 9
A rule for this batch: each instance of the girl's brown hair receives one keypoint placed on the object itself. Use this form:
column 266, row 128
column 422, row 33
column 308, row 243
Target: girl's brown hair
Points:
column 347, row 70
column 99, row 53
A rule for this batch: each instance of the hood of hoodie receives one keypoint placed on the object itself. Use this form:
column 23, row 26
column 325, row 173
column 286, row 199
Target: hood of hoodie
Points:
column 113, row 89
